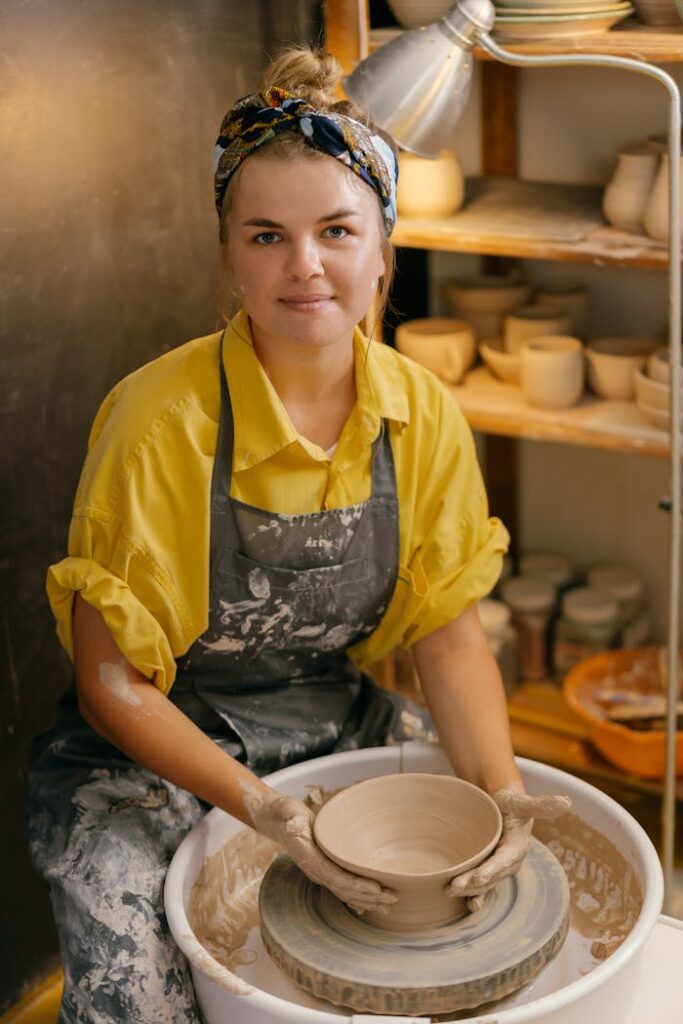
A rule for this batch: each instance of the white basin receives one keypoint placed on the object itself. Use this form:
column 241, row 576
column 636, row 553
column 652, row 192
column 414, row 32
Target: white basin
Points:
column 560, row 995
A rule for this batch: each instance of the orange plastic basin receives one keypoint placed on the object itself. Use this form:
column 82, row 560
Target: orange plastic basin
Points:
column 639, row 753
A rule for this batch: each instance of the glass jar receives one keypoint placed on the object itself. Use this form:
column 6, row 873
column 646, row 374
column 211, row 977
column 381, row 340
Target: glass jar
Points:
column 502, row 637
column 626, row 586
column 589, row 623
column 531, row 600
column 552, row 565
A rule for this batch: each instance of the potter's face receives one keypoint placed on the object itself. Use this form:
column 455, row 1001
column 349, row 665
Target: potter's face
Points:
column 305, row 244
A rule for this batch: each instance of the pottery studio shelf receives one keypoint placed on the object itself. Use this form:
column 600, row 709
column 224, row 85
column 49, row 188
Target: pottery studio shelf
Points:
column 533, row 220
column 629, row 39
column 544, row 727
column 494, row 407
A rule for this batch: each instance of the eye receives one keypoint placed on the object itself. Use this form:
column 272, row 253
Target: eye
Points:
column 265, row 238
column 338, row 228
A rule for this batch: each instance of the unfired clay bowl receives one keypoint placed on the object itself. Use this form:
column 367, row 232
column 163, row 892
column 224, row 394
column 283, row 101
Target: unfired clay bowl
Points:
column 534, row 321
column 571, row 299
column 652, row 393
column 502, row 364
column 611, row 362
column 488, row 293
column 658, row 365
column 444, row 345
column 412, row 833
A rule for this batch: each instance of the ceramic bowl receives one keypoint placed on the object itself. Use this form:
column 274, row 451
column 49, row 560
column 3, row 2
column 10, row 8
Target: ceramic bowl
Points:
column 658, row 417
column 485, row 325
column 658, row 365
column 652, row 393
column 611, row 362
column 445, row 346
column 502, row 364
column 533, row 321
column 488, row 293
column 571, row 299
column 412, row 13
column 412, row 833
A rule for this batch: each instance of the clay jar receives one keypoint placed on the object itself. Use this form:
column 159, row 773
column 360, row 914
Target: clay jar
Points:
column 626, row 195
column 656, row 217
column 412, row 833
column 444, row 345
column 552, row 371
column 429, row 188
column 534, row 321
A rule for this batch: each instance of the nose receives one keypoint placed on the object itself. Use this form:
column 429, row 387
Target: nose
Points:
column 304, row 259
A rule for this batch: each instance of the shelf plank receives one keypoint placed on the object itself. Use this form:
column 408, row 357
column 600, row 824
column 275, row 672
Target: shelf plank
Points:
column 629, row 39
column 533, row 220
column 495, row 407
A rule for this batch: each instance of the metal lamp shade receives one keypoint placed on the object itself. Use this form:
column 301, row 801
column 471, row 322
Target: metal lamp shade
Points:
column 416, row 86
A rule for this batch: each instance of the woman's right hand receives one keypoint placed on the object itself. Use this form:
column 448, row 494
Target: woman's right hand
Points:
column 289, row 822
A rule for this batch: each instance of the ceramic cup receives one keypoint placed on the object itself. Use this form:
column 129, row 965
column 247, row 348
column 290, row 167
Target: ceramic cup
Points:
column 444, row 345
column 552, row 371
column 412, row 833
column 533, row 322
column 656, row 216
column 429, row 188
column 627, row 192
column 611, row 362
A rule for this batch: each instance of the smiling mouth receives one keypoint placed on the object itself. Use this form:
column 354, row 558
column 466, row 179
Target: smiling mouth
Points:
column 307, row 305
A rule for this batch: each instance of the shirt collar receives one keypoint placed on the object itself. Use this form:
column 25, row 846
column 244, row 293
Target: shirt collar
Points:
column 380, row 394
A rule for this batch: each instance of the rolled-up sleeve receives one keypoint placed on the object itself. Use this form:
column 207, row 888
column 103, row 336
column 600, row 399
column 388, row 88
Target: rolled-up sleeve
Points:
column 460, row 547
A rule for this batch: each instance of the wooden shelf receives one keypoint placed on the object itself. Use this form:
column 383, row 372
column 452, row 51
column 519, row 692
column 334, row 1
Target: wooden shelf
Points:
column 629, row 39
column 494, row 407
column 532, row 220
column 544, row 728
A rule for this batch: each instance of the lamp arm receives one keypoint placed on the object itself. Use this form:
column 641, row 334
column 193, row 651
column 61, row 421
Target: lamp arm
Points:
column 674, row 146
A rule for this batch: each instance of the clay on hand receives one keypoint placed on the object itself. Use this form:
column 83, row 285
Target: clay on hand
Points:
column 289, row 823
column 518, row 811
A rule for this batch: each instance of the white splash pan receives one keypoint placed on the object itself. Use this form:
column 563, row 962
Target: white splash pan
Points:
column 562, row 994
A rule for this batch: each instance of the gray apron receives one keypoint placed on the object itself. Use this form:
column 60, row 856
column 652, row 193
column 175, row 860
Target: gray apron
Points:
column 288, row 596
column 269, row 681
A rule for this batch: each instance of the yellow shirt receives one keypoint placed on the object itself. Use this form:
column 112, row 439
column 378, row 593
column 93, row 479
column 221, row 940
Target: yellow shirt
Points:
column 139, row 537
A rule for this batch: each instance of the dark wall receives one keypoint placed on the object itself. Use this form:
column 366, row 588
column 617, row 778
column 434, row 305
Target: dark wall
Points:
column 108, row 115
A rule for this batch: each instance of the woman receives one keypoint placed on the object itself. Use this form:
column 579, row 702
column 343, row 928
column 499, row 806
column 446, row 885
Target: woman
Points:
column 262, row 513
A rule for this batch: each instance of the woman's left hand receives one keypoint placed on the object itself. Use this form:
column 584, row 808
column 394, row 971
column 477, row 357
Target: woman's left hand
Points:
column 518, row 811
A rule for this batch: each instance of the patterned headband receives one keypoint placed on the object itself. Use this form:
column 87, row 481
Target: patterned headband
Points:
column 256, row 119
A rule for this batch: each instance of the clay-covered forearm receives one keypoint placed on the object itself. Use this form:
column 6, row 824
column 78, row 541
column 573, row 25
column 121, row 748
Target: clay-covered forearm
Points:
column 122, row 705
column 465, row 695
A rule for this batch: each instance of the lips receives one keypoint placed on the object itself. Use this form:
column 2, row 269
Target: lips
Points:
column 307, row 303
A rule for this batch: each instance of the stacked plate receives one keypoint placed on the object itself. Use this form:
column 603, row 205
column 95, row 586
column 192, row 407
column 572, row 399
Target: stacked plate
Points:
column 528, row 20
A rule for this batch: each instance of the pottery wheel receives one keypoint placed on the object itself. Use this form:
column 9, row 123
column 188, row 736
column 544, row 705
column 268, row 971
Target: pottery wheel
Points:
column 331, row 952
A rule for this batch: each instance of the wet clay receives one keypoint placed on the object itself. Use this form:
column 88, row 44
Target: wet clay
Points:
column 605, row 896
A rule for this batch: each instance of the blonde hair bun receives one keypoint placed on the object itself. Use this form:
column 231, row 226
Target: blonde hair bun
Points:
column 310, row 73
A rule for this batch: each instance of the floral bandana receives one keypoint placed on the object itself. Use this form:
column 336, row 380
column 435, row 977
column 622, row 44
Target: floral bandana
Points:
column 256, row 119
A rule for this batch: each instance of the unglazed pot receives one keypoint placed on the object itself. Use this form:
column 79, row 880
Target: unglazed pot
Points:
column 412, row 13
column 626, row 195
column 429, row 188
column 534, row 322
column 571, row 299
column 502, row 364
column 656, row 218
column 412, row 833
column 611, row 362
column 444, row 345
column 488, row 293
column 552, row 371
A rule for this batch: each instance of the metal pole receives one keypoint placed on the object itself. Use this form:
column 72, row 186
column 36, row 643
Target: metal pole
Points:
column 652, row 71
